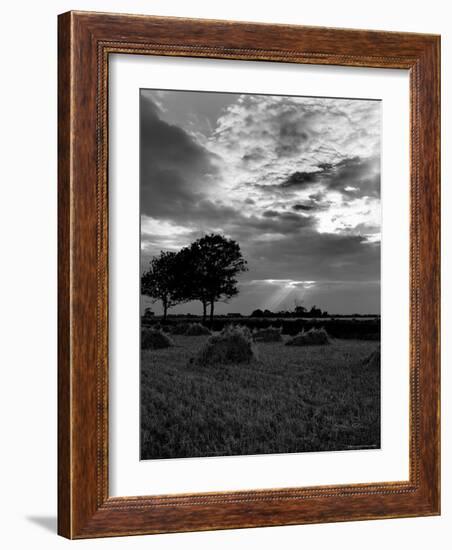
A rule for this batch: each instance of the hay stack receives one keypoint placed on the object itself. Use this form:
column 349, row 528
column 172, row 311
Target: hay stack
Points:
column 313, row 337
column 180, row 328
column 160, row 327
column 154, row 339
column 196, row 329
column 232, row 345
column 270, row 334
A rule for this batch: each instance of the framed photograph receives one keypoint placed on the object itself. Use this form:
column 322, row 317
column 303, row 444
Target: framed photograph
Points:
column 248, row 275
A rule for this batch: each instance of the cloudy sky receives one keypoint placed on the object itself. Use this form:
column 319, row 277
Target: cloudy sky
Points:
column 295, row 180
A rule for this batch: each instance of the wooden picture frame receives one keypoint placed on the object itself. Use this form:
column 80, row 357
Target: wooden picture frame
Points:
column 85, row 508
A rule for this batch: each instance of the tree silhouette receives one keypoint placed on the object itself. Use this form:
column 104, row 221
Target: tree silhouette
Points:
column 315, row 311
column 189, row 279
column 161, row 281
column 211, row 265
column 148, row 312
column 300, row 311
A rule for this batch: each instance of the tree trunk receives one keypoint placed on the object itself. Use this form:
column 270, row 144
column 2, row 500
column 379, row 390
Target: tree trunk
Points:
column 212, row 304
column 165, row 310
column 204, row 311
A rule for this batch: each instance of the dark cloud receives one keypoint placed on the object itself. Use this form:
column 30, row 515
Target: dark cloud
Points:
column 303, row 178
column 292, row 136
column 315, row 203
column 317, row 197
column 303, row 207
column 351, row 176
column 174, row 168
column 315, row 256
column 364, row 174
column 270, row 214
column 254, row 155
column 206, row 214
column 286, row 224
column 292, row 217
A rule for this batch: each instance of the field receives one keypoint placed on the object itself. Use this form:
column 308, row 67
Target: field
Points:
column 292, row 399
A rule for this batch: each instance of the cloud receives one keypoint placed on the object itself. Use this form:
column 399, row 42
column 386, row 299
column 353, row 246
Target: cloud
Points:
column 302, row 179
column 270, row 214
column 296, row 181
column 292, row 134
column 175, row 170
column 303, row 207
column 283, row 294
column 351, row 175
column 315, row 155
column 310, row 255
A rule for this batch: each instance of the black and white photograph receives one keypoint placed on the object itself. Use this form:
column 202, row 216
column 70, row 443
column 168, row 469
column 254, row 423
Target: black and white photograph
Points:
column 224, row 235
column 260, row 238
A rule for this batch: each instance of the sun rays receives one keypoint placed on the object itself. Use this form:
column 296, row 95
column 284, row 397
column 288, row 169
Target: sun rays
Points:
column 283, row 291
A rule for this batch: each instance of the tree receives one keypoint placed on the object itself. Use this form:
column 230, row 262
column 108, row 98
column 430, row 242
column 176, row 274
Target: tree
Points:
column 257, row 313
column 300, row 311
column 212, row 263
column 161, row 281
column 190, row 285
column 315, row 312
column 148, row 312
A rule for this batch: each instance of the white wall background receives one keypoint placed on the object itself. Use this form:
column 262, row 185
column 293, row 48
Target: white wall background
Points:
column 28, row 270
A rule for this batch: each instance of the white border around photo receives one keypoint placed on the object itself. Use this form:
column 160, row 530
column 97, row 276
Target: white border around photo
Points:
column 129, row 475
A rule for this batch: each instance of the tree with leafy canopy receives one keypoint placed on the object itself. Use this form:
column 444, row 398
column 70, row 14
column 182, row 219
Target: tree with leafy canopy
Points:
column 315, row 312
column 257, row 313
column 211, row 265
column 161, row 281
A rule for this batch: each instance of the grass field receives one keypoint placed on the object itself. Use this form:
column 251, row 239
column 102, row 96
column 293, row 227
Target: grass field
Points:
column 292, row 399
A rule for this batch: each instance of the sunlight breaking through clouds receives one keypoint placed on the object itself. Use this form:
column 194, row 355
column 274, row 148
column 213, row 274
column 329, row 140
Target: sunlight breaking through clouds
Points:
column 295, row 180
column 288, row 283
column 280, row 292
